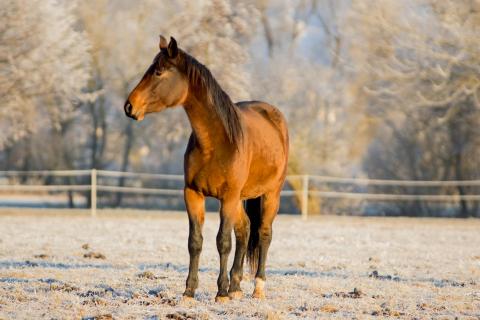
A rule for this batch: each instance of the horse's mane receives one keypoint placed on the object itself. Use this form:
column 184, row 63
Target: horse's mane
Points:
column 200, row 78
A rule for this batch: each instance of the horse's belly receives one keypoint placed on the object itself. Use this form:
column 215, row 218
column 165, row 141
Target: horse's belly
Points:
column 266, row 175
column 211, row 182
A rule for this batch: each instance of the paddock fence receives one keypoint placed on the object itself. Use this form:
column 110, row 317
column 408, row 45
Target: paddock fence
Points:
column 302, row 191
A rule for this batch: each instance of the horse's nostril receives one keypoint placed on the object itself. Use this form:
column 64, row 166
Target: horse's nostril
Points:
column 128, row 108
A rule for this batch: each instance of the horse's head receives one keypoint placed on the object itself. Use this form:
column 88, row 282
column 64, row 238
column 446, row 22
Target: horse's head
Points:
column 162, row 85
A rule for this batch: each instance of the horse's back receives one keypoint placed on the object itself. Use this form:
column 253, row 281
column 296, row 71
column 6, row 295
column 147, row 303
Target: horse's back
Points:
column 269, row 113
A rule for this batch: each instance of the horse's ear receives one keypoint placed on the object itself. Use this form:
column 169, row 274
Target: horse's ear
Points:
column 163, row 43
column 172, row 48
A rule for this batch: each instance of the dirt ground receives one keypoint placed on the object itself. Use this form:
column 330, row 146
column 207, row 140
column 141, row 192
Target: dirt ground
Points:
column 133, row 265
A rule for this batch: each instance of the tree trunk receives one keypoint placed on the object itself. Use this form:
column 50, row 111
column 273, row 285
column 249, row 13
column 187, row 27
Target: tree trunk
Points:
column 125, row 159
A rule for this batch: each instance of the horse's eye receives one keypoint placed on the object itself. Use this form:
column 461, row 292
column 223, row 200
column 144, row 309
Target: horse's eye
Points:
column 158, row 72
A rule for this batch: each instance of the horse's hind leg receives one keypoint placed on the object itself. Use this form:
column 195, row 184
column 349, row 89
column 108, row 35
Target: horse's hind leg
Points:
column 270, row 204
column 195, row 203
column 242, row 232
column 228, row 210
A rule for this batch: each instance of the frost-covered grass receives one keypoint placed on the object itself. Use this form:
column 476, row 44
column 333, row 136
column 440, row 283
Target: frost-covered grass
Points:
column 128, row 265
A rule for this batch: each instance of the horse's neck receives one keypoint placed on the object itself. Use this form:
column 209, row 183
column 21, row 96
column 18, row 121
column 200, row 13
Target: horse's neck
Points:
column 205, row 123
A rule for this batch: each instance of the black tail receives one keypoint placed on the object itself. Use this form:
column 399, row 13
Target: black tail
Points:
column 253, row 207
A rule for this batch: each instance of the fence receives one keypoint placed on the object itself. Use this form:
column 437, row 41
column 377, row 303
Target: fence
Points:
column 303, row 193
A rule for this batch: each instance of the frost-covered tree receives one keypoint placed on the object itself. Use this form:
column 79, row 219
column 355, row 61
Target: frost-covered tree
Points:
column 419, row 62
column 44, row 63
column 420, row 54
column 218, row 33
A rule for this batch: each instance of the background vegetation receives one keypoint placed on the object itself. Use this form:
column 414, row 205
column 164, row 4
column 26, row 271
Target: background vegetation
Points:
column 380, row 89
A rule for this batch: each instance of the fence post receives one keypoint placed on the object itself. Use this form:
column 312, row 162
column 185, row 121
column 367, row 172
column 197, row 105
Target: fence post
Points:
column 93, row 190
column 305, row 197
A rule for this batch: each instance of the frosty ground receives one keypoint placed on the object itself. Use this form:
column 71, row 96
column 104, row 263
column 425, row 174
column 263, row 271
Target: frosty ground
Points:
column 126, row 264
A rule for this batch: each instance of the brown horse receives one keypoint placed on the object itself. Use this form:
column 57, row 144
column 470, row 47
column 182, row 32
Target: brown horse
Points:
column 236, row 152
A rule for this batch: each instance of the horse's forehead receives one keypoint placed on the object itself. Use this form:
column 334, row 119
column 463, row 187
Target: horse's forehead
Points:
column 162, row 60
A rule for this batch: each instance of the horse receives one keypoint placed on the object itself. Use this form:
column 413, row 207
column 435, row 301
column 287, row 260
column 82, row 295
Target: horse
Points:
column 237, row 153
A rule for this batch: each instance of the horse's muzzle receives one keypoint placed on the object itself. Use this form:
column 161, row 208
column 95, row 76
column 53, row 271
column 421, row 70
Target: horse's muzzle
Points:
column 128, row 110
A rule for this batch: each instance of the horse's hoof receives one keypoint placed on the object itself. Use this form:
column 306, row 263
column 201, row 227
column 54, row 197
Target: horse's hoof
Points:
column 220, row 299
column 187, row 300
column 257, row 294
column 235, row 295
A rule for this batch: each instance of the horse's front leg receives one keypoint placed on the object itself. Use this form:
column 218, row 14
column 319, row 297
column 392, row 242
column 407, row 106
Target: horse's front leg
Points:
column 195, row 203
column 228, row 210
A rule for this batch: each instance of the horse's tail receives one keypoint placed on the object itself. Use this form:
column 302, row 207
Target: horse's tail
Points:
column 253, row 207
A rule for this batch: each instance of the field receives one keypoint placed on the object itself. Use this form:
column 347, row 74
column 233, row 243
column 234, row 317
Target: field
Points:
column 133, row 265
